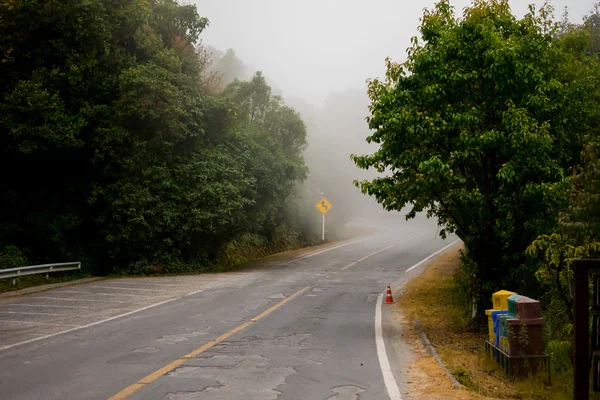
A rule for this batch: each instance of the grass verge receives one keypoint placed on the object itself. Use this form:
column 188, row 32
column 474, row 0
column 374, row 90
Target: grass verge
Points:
column 443, row 312
column 39, row 280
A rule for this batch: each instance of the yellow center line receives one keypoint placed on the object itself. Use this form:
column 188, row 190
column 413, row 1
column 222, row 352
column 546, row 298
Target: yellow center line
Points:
column 364, row 258
column 377, row 252
column 348, row 266
column 372, row 254
column 171, row 366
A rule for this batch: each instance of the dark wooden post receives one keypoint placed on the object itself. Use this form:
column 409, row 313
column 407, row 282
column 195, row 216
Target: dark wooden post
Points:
column 581, row 363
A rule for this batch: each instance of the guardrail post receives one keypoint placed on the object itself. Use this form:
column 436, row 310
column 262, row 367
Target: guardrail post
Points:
column 14, row 281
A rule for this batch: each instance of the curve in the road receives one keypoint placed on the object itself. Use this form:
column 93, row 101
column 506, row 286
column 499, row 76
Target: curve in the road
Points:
column 211, row 346
column 73, row 328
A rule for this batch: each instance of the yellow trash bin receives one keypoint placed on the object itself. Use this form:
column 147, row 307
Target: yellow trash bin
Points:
column 491, row 333
column 500, row 299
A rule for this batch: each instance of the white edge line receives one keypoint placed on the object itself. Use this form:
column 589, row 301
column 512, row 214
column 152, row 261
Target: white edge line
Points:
column 432, row 255
column 332, row 248
column 384, row 363
column 8, row 346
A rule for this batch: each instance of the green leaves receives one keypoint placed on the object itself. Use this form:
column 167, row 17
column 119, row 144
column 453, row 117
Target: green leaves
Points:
column 126, row 156
column 479, row 126
column 36, row 118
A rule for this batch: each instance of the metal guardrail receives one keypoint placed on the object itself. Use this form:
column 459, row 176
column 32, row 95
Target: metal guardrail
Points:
column 38, row 269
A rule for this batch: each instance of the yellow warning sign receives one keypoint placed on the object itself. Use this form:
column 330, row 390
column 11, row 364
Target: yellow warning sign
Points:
column 324, row 205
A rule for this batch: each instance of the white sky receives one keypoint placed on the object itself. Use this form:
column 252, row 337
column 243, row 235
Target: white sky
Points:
column 311, row 48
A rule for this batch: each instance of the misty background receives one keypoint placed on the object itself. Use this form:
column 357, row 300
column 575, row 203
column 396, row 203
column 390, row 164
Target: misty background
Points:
column 313, row 48
column 334, row 131
column 318, row 54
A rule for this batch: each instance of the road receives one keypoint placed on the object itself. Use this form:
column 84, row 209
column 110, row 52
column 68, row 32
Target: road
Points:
column 301, row 325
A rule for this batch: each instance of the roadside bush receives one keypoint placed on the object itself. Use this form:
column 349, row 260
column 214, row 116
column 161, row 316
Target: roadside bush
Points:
column 560, row 355
column 11, row 257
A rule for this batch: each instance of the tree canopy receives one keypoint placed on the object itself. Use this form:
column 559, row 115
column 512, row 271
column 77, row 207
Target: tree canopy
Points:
column 116, row 148
column 480, row 127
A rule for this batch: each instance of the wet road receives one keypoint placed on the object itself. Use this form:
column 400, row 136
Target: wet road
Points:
column 301, row 325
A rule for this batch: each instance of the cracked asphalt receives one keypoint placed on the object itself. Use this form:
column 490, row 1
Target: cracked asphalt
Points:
column 320, row 344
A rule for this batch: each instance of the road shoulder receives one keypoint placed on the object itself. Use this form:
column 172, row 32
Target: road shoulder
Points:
column 420, row 375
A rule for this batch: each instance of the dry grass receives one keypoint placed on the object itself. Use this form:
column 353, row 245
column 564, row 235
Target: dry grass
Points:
column 433, row 299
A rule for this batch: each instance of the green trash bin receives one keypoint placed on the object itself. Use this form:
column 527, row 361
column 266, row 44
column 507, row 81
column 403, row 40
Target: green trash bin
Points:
column 512, row 303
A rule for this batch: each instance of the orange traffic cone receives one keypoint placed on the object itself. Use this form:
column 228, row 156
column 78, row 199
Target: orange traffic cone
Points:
column 388, row 296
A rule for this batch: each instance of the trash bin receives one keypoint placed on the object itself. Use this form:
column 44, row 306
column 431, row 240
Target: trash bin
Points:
column 512, row 303
column 525, row 337
column 502, row 328
column 496, row 326
column 527, row 308
column 529, row 317
column 490, row 319
column 500, row 299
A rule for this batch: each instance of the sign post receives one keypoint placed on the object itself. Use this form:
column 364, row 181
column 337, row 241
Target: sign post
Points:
column 324, row 206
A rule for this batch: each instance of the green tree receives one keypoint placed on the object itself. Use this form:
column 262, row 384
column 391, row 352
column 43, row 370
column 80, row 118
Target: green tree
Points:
column 577, row 234
column 479, row 127
column 58, row 78
column 274, row 139
column 127, row 157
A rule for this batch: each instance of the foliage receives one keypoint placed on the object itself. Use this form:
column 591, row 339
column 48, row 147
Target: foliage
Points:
column 130, row 159
column 577, row 234
column 479, row 127
column 560, row 352
column 556, row 271
column 12, row 257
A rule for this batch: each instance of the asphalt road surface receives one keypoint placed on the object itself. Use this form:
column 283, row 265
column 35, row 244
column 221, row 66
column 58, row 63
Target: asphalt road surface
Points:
column 301, row 325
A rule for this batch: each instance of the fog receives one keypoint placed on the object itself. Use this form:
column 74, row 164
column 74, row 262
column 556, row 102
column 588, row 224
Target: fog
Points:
column 312, row 48
column 318, row 54
column 334, row 131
